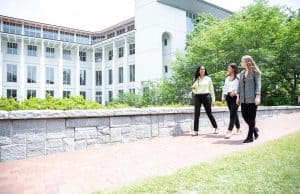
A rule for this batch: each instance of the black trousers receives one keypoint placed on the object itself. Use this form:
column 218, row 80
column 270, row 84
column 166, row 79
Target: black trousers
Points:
column 249, row 115
column 233, row 108
column 206, row 101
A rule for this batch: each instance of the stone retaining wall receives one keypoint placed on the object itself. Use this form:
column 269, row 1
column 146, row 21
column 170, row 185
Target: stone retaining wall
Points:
column 35, row 133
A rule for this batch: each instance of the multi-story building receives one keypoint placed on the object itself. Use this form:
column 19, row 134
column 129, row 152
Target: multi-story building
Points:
column 38, row 59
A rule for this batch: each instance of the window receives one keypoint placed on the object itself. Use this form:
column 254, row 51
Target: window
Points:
column 120, row 74
column 130, row 28
column 83, row 94
column 99, row 97
column 50, row 34
column 12, row 28
column 132, row 90
column 96, row 39
column 11, row 73
column 98, row 78
column 121, row 52
column 132, row 49
column 32, row 31
column 49, row 75
column 49, row 52
column 121, row 31
column 82, row 56
column 67, row 36
column 67, row 54
column 66, row 94
column 31, row 74
column 49, row 92
column 32, row 50
column 110, row 55
column 166, row 69
column 166, row 42
column 84, row 39
column 82, row 77
column 132, row 73
column 67, row 76
column 120, row 92
column 110, row 96
column 110, row 77
column 12, row 48
column 11, row 93
column 111, row 35
column 31, row 94
column 98, row 57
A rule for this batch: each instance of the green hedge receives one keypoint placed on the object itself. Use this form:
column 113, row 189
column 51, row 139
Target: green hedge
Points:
column 78, row 102
column 50, row 102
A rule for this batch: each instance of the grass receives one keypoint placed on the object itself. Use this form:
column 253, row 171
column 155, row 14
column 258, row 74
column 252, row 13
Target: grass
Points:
column 272, row 167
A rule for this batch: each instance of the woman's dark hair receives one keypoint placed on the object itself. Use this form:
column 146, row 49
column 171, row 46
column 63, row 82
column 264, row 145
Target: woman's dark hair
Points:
column 235, row 69
column 197, row 74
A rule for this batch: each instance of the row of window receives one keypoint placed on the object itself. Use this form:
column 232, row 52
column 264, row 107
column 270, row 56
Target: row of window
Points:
column 12, row 93
column 32, row 75
column 12, row 48
column 33, row 31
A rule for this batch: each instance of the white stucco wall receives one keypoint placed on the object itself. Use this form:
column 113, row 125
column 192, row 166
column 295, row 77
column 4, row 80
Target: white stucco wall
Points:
column 152, row 19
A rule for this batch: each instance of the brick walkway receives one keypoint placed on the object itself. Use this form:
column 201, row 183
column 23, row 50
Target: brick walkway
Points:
column 113, row 166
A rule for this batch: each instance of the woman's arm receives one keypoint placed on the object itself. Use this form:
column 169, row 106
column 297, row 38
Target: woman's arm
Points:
column 223, row 90
column 211, row 90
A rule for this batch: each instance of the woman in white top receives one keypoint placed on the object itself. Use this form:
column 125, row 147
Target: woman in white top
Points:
column 230, row 95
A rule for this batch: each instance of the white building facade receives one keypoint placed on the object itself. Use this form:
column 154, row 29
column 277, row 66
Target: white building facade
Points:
column 38, row 59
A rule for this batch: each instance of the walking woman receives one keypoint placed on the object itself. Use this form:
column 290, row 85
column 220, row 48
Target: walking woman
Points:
column 204, row 94
column 229, row 94
column 249, row 94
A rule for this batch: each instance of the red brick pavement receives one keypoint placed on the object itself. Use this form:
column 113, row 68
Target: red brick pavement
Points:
column 112, row 166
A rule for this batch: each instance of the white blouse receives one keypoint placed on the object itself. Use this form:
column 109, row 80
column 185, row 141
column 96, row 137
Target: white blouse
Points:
column 230, row 86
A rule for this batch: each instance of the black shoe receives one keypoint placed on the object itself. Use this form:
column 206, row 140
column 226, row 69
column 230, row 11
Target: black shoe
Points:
column 248, row 140
column 256, row 130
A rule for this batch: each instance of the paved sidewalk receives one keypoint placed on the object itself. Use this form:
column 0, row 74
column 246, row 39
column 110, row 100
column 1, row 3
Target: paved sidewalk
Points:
column 112, row 166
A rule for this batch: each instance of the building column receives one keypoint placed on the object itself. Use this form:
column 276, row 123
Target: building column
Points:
column 126, row 75
column 21, row 90
column 42, row 84
column 93, row 76
column 103, row 75
column 1, row 64
column 1, row 25
column 114, row 71
column 60, row 72
column 77, row 73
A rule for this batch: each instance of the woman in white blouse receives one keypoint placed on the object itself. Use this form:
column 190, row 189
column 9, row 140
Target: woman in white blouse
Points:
column 229, row 94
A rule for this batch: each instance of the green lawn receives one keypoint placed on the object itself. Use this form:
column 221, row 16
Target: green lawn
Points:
column 273, row 167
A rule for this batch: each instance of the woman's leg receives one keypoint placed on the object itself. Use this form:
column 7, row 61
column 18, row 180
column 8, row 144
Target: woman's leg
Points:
column 232, row 111
column 207, row 106
column 231, row 102
column 197, row 112
column 251, row 113
column 252, row 116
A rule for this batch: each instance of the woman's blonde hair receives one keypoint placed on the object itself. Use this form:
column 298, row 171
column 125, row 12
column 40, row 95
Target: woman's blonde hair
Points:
column 251, row 65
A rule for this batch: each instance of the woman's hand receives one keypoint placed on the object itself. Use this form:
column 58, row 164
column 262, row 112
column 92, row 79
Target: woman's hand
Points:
column 213, row 103
column 257, row 100
column 237, row 99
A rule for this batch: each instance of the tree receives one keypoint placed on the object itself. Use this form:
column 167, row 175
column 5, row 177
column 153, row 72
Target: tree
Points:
column 268, row 33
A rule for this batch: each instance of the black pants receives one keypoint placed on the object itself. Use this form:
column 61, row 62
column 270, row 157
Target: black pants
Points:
column 233, row 108
column 249, row 115
column 206, row 101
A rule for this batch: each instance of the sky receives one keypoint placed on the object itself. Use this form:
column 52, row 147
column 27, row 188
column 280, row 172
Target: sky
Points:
column 95, row 15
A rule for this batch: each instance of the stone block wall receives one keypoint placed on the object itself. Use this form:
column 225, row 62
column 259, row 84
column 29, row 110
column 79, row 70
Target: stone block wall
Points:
column 36, row 133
